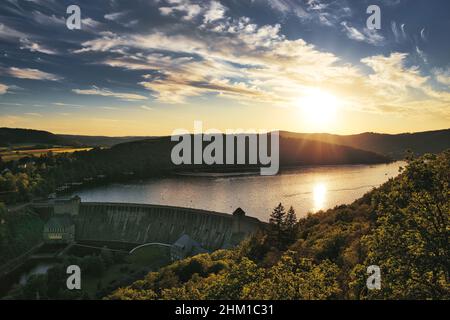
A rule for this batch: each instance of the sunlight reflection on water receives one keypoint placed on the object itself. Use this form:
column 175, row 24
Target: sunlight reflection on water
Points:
column 319, row 196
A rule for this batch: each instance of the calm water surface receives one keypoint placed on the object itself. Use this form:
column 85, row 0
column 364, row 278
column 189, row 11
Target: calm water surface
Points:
column 308, row 189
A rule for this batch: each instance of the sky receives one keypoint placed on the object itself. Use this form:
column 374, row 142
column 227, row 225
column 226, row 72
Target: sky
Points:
column 149, row 67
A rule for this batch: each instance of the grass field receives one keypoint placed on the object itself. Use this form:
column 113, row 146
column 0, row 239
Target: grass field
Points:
column 16, row 154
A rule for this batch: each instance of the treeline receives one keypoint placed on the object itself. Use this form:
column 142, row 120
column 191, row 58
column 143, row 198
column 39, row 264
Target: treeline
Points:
column 402, row 227
column 10, row 136
column 38, row 177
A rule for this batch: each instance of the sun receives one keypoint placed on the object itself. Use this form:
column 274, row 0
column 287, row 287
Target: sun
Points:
column 319, row 107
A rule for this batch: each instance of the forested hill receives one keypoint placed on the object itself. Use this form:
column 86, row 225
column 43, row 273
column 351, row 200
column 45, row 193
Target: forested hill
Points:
column 100, row 141
column 392, row 145
column 402, row 227
column 153, row 154
column 10, row 136
column 16, row 136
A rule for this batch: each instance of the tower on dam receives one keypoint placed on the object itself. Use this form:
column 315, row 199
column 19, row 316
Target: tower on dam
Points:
column 187, row 230
column 60, row 228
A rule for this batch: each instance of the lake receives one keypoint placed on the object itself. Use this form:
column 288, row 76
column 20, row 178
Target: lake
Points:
column 307, row 189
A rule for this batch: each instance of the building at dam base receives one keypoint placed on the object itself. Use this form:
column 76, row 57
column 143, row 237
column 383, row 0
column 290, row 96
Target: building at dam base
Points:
column 188, row 231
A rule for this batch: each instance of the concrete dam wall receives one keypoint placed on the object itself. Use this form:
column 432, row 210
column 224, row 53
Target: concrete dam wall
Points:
column 141, row 223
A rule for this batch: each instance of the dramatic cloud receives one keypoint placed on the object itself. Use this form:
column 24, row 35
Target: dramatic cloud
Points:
column 259, row 53
column 240, row 60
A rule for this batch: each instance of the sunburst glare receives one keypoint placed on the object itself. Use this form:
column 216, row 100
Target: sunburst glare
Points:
column 319, row 107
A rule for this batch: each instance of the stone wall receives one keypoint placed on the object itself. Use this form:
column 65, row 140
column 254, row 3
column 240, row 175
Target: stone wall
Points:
column 135, row 223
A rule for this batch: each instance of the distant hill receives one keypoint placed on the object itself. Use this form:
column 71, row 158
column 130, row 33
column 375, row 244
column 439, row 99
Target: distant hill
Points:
column 14, row 136
column 9, row 136
column 99, row 141
column 155, row 154
column 392, row 145
column 298, row 151
column 389, row 145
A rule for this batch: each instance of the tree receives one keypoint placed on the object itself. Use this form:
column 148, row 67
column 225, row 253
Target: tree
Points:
column 36, row 287
column 93, row 265
column 56, row 280
column 276, row 225
column 283, row 227
column 290, row 227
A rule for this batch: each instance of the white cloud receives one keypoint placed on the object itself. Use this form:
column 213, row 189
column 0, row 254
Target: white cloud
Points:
column 423, row 35
column 9, row 33
column 366, row 35
column 33, row 114
column 395, row 31
column 44, row 19
column 392, row 76
column 107, row 93
column 421, row 55
column 402, row 28
column 62, row 104
column 352, row 32
column 329, row 13
column 184, row 7
column 91, row 25
column 216, row 11
column 3, row 88
column 189, row 10
column 442, row 76
column 32, row 74
column 115, row 15
column 288, row 6
column 35, row 47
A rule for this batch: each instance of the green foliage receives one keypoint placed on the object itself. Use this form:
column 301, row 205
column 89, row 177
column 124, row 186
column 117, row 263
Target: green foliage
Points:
column 411, row 240
column 295, row 278
column 93, row 265
column 19, row 232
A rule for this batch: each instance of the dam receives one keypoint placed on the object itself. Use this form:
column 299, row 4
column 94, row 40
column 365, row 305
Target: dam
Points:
column 71, row 220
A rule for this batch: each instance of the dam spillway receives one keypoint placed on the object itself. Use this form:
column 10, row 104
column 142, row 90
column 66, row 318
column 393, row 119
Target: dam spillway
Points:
column 138, row 223
column 143, row 223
